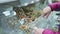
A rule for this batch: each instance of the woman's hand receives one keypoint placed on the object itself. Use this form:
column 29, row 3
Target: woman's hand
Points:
column 46, row 12
column 37, row 30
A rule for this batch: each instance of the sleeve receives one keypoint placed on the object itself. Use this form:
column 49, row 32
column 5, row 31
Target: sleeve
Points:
column 47, row 31
column 55, row 6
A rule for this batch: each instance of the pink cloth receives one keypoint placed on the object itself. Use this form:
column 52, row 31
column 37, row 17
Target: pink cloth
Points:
column 55, row 6
column 47, row 31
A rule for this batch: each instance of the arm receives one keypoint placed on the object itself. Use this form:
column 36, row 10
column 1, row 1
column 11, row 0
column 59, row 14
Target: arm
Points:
column 55, row 6
column 43, row 31
column 47, row 31
column 50, row 8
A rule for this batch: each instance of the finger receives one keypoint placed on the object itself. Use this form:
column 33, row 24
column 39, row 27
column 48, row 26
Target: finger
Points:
column 44, row 14
column 47, row 15
column 34, row 28
column 34, row 32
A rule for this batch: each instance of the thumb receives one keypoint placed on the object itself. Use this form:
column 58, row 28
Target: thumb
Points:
column 34, row 28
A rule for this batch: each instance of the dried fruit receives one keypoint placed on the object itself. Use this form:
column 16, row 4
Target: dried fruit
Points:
column 23, row 26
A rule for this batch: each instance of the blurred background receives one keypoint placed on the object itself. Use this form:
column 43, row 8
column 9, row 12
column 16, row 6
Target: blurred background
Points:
column 17, row 15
